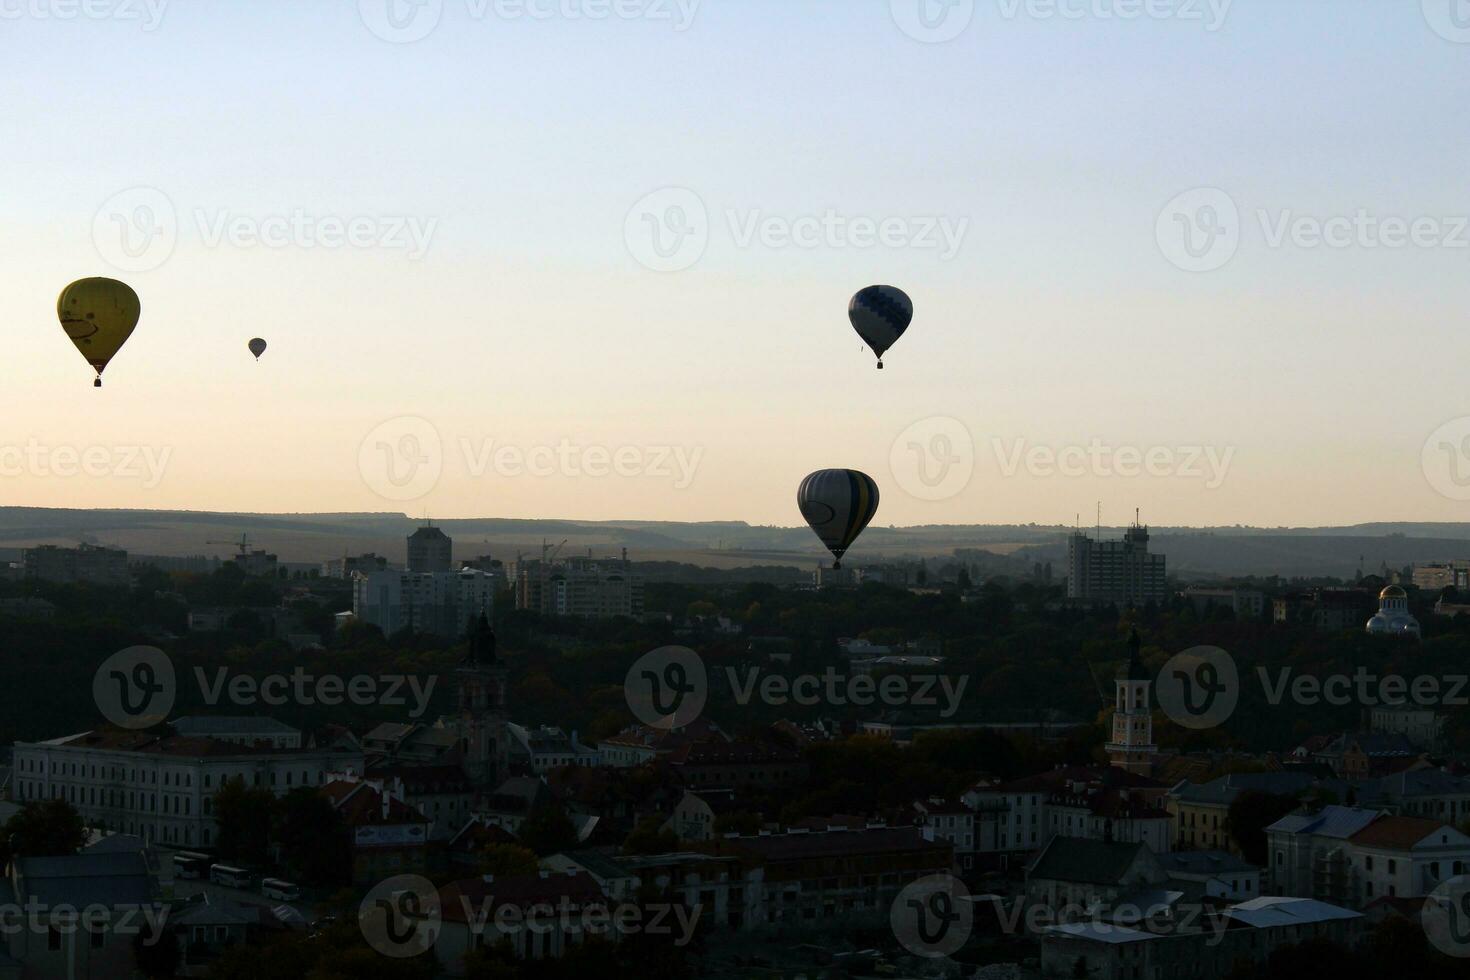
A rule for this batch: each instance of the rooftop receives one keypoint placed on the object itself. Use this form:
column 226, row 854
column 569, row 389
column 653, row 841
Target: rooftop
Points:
column 1401, row 833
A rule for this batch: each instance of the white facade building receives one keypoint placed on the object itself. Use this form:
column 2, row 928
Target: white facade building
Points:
column 443, row 603
column 162, row 788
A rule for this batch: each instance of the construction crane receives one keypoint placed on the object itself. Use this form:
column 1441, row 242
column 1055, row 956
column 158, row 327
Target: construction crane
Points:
column 243, row 544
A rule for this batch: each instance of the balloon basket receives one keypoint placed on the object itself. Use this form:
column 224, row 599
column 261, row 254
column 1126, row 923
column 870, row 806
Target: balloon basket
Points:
column 880, row 365
column 96, row 382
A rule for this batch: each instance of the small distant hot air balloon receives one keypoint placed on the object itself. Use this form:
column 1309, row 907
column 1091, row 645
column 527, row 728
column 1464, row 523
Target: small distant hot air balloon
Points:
column 257, row 347
column 880, row 315
column 99, row 316
column 838, row 504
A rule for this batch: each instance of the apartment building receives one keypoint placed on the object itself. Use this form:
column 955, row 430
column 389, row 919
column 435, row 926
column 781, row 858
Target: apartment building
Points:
column 580, row 587
column 86, row 563
column 1124, row 572
column 442, row 603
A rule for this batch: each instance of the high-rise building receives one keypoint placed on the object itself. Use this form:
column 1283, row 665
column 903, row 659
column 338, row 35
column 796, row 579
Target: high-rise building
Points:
column 429, row 550
column 1132, row 745
column 1115, row 571
column 587, row 587
column 442, row 603
column 345, row 566
column 87, row 563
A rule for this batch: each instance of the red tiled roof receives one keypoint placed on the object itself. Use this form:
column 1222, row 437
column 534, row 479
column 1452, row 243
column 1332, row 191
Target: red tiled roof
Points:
column 361, row 804
column 184, row 746
column 1056, row 780
column 554, row 889
column 835, row 843
column 1397, row 833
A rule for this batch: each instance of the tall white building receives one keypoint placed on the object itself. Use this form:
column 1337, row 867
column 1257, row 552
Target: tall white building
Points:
column 430, row 550
column 1115, row 571
column 443, row 603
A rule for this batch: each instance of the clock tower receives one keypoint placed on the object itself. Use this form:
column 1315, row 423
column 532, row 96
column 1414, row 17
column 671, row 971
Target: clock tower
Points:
column 1132, row 746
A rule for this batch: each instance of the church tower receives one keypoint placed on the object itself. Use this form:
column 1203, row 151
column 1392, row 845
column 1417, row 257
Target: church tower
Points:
column 1132, row 747
column 479, row 718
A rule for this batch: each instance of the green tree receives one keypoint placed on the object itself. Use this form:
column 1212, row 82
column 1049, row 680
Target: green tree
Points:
column 1250, row 814
column 46, row 828
column 244, row 816
column 313, row 838
column 548, row 830
column 505, row 860
column 648, row 838
column 156, row 953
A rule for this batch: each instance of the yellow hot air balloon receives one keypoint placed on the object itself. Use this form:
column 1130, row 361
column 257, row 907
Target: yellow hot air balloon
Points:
column 99, row 316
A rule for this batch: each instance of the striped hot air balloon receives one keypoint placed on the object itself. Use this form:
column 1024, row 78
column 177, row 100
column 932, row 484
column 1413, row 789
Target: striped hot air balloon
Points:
column 838, row 504
column 880, row 315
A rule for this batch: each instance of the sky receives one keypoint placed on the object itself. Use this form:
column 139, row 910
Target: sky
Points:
column 592, row 258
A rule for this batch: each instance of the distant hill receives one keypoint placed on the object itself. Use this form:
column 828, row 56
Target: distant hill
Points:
column 728, row 545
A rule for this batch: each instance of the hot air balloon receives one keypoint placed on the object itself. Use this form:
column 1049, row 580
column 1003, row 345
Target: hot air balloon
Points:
column 838, row 504
column 880, row 315
column 99, row 316
column 257, row 347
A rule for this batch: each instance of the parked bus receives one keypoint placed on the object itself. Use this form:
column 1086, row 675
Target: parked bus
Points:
column 223, row 874
column 190, row 866
column 276, row 888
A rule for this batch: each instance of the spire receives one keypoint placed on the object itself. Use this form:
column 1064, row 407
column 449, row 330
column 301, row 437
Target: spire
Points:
column 1135, row 670
column 482, row 642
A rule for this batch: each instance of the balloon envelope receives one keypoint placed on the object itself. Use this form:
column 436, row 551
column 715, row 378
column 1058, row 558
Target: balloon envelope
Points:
column 837, row 505
column 99, row 316
column 257, row 347
column 880, row 315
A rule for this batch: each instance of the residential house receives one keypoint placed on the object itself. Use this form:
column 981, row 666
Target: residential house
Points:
column 388, row 836
column 1073, row 877
column 1222, row 875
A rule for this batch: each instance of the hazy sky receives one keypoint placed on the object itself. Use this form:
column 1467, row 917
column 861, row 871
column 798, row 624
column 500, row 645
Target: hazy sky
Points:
column 449, row 244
